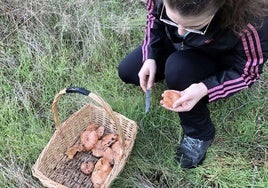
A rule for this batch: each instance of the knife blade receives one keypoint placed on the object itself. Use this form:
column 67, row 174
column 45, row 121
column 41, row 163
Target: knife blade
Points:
column 147, row 100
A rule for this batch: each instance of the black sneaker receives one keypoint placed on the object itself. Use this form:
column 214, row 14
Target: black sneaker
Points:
column 192, row 152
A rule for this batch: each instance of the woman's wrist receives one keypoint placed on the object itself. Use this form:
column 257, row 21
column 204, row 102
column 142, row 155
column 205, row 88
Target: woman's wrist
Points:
column 200, row 89
column 203, row 88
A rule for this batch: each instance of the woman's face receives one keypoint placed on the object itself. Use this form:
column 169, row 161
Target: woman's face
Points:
column 189, row 23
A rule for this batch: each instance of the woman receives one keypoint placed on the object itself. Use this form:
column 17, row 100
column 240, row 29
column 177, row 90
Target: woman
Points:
column 205, row 50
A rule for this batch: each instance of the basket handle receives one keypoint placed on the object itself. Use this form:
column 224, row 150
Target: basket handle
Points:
column 96, row 98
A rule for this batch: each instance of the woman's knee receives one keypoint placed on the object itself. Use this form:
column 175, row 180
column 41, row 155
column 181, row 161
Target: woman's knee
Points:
column 124, row 72
column 177, row 72
column 130, row 66
column 184, row 68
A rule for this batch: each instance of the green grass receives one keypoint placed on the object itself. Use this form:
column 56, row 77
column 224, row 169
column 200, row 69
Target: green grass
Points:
column 46, row 46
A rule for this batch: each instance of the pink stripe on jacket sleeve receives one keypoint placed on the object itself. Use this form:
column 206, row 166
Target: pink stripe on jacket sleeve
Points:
column 253, row 51
column 254, row 42
column 150, row 23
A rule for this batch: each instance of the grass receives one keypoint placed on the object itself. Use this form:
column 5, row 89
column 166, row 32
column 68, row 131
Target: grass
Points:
column 46, row 46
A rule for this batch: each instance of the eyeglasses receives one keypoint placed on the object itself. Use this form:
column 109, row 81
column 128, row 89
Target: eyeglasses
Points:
column 169, row 22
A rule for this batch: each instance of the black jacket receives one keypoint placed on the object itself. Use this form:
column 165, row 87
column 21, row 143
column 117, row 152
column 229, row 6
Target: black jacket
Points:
column 246, row 53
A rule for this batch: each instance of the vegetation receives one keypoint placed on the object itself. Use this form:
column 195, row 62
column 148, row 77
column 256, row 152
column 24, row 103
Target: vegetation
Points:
column 47, row 45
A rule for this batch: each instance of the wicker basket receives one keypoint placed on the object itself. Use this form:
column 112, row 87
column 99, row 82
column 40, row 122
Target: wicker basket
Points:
column 53, row 168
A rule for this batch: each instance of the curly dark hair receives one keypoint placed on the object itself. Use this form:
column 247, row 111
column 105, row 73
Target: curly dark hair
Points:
column 235, row 14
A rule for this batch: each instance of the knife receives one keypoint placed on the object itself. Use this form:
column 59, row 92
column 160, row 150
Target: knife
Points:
column 147, row 100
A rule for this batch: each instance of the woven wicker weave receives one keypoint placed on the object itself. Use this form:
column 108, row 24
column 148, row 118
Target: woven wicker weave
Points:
column 53, row 168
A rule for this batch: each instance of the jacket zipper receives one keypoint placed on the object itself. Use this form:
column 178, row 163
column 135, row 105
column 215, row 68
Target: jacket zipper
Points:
column 182, row 43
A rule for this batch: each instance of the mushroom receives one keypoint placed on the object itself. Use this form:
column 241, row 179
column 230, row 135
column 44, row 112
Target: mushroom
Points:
column 100, row 131
column 87, row 167
column 103, row 151
column 71, row 151
column 109, row 139
column 89, row 139
column 117, row 150
column 102, row 169
column 169, row 97
column 91, row 127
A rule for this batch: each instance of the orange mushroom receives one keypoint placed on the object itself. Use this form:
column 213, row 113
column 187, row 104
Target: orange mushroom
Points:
column 100, row 131
column 87, row 167
column 117, row 149
column 103, row 151
column 89, row 139
column 71, row 151
column 109, row 139
column 102, row 169
column 91, row 127
column 169, row 97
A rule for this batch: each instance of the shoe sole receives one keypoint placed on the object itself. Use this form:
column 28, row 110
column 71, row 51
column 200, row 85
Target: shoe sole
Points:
column 194, row 166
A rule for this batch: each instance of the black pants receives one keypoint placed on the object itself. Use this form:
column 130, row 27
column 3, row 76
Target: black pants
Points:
column 180, row 69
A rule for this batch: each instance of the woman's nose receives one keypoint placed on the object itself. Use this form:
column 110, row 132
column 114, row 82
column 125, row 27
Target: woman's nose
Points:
column 181, row 31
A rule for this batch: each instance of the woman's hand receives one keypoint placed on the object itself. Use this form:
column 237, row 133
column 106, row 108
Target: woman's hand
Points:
column 189, row 97
column 147, row 74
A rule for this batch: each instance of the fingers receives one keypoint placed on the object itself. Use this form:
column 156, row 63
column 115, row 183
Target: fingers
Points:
column 166, row 106
column 182, row 104
column 184, row 107
column 143, row 83
column 189, row 98
column 143, row 77
column 183, row 99
column 147, row 83
column 147, row 74
column 150, row 82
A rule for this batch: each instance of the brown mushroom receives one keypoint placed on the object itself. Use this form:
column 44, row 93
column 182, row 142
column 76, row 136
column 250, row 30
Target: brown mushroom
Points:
column 102, row 169
column 109, row 139
column 97, row 150
column 117, row 150
column 103, row 151
column 89, row 139
column 71, row 151
column 91, row 127
column 100, row 131
column 169, row 97
column 87, row 167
